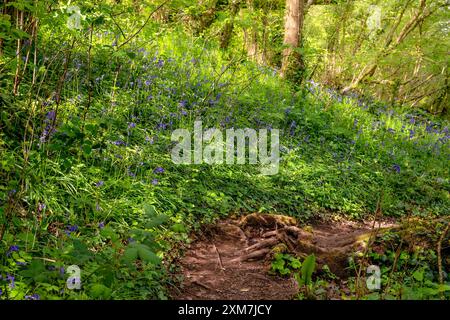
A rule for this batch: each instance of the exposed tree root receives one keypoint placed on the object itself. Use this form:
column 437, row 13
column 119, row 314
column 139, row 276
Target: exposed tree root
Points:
column 231, row 259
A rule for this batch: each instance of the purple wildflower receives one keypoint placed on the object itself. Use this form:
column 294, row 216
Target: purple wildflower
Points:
column 71, row 229
column 100, row 183
column 13, row 248
column 10, row 278
column 119, row 143
column 101, row 225
column 154, row 182
column 158, row 170
column 396, row 167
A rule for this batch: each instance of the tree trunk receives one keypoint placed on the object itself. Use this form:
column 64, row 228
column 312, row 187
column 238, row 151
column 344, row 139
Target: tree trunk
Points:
column 227, row 30
column 292, row 67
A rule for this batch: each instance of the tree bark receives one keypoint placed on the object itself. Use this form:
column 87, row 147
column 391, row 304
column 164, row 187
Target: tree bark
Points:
column 292, row 66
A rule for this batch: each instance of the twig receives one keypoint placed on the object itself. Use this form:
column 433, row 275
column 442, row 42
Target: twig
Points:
column 202, row 285
column 218, row 257
column 142, row 27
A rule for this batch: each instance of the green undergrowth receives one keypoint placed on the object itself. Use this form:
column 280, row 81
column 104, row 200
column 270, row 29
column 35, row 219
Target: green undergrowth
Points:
column 91, row 182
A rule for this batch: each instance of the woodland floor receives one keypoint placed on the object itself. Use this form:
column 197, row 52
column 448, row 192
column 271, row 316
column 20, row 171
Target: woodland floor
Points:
column 231, row 259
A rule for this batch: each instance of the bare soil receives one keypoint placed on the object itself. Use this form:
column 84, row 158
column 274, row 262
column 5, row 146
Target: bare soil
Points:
column 231, row 259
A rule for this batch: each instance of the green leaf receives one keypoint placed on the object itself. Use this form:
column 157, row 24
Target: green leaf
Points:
column 179, row 228
column 156, row 221
column 146, row 255
column 141, row 251
column 36, row 271
column 149, row 210
column 130, row 254
column 307, row 269
column 418, row 275
column 100, row 291
column 296, row 264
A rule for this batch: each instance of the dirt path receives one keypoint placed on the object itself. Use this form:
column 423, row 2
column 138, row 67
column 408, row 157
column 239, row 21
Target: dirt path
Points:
column 231, row 259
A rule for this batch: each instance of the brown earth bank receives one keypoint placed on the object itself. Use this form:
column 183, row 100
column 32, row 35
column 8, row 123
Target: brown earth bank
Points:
column 231, row 259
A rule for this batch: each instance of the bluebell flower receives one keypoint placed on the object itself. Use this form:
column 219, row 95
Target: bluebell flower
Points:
column 154, row 182
column 71, row 229
column 51, row 115
column 158, row 170
column 10, row 278
column 33, row 297
column 119, row 143
column 396, row 167
column 13, row 248
column 292, row 127
column 100, row 183
column 161, row 126
column 101, row 225
column 131, row 125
